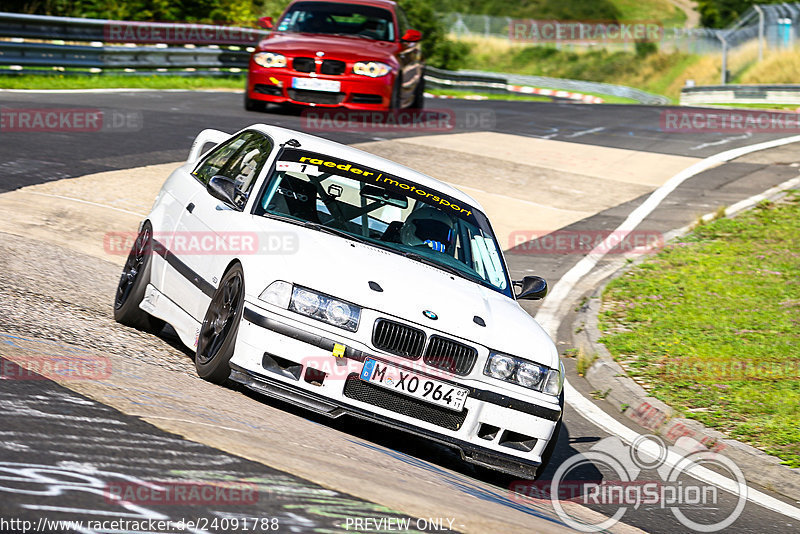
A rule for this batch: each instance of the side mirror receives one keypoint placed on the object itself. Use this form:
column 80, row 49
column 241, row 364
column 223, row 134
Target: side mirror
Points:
column 265, row 22
column 532, row 288
column 411, row 36
column 223, row 188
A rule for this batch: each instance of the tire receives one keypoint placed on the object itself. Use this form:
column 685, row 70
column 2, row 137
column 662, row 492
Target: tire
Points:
column 250, row 104
column 397, row 93
column 217, row 336
column 419, row 94
column 133, row 283
column 551, row 445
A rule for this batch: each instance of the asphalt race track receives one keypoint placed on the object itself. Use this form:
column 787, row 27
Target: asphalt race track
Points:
column 63, row 450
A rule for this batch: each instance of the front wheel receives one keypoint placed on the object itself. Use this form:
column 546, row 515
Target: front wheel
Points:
column 133, row 284
column 251, row 104
column 419, row 94
column 221, row 324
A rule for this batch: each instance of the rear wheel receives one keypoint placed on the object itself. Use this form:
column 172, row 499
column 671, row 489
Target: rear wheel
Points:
column 133, row 283
column 221, row 324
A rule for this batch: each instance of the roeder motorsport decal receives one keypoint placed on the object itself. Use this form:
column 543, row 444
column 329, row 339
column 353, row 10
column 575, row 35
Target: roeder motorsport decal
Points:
column 325, row 163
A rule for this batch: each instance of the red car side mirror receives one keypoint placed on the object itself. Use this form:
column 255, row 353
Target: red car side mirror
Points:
column 411, row 36
column 265, row 22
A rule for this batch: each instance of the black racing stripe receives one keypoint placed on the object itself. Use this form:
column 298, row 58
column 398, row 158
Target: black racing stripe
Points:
column 319, row 341
column 184, row 270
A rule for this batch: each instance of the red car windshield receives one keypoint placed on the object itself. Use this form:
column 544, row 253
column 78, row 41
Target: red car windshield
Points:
column 339, row 19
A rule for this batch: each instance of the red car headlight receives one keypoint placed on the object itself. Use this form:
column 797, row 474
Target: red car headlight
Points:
column 373, row 69
column 270, row 59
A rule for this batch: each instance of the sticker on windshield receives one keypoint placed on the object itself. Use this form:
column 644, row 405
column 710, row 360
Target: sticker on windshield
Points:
column 293, row 166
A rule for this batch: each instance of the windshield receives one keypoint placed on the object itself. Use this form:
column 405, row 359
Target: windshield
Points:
column 339, row 19
column 386, row 211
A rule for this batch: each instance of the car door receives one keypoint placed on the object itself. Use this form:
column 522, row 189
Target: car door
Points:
column 202, row 244
column 410, row 59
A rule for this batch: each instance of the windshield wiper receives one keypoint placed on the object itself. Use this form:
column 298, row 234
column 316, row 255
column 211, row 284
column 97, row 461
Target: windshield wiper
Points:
column 335, row 231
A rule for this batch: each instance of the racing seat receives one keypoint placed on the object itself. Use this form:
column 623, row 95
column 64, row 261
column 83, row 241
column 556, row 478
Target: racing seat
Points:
column 297, row 198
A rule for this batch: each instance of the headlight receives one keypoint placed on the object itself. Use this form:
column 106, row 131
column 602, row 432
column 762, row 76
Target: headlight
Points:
column 373, row 69
column 278, row 293
column 500, row 366
column 270, row 59
column 523, row 373
column 553, row 383
column 324, row 308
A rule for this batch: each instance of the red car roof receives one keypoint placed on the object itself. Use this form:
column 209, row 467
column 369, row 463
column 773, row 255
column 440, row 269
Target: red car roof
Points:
column 386, row 4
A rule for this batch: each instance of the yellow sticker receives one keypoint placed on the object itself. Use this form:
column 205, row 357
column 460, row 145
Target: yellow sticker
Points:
column 338, row 350
column 274, row 80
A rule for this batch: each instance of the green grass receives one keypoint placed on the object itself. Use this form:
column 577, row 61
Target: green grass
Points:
column 118, row 82
column 656, row 72
column 726, row 296
column 650, row 10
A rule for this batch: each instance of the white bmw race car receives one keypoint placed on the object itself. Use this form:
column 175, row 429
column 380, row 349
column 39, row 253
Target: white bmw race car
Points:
column 349, row 285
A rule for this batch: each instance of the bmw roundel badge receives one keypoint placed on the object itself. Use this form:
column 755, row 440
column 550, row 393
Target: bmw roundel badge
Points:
column 430, row 315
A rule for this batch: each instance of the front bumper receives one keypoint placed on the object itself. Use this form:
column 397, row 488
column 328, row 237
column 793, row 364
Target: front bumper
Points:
column 357, row 92
column 285, row 358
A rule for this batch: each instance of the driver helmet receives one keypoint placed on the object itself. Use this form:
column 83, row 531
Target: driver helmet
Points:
column 428, row 226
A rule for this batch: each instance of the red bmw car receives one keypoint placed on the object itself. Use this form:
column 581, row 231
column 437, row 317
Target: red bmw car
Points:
column 357, row 54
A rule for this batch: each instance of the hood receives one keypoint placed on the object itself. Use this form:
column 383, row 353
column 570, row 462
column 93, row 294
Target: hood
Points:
column 343, row 269
column 335, row 46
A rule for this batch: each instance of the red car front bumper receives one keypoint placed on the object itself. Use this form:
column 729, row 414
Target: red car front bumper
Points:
column 355, row 92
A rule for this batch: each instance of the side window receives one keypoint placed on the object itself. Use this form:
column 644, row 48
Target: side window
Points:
column 240, row 160
column 402, row 21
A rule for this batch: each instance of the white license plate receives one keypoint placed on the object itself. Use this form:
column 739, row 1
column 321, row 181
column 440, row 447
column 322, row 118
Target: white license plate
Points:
column 414, row 385
column 315, row 84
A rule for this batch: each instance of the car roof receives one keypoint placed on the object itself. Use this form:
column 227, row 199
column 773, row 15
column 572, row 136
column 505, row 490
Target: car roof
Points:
column 387, row 4
column 313, row 143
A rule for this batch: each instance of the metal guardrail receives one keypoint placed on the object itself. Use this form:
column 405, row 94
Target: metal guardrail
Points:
column 118, row 31
column 741, row 94
column 498, row 83
column 118, row 57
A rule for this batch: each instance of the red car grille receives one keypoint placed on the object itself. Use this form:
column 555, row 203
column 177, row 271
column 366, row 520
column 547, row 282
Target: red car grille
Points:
column 315, row 97
column 332, row 67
